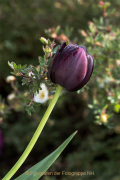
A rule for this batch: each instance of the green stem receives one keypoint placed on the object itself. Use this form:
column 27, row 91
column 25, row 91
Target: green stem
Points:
column 35, row 136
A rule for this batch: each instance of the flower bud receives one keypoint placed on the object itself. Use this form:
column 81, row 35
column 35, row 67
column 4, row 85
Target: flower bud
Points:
column 10, row 79
column 104, row 118
column 47, row 50
column 71, row 67
column 11, row 96
column 43, row 40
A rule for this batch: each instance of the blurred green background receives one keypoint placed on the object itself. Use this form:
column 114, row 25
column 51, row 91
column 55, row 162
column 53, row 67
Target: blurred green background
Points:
column 95, row 148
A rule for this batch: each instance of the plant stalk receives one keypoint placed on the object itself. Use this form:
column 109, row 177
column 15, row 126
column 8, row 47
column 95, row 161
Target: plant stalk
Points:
column 35, row 136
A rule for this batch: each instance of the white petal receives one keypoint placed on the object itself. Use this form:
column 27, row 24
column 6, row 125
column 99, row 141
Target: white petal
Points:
column 42, row 96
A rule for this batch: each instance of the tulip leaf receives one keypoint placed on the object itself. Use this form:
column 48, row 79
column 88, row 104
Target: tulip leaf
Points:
column 35, row 172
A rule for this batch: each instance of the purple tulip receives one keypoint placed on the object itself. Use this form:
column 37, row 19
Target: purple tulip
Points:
column 71, row 67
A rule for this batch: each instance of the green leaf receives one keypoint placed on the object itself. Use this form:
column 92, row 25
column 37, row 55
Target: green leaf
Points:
column 41, row 61
column 11, row 64
column 43, row 48
column 49, row 61
column 28, row 110
column 92, row 29
column 117, row 108
column 36, row 104
column 99, row 37
column 27, row 69
column 55, row 49
column 15, row 66
column 27, row 100
column 23, row 67
column 12, row 73
column 35, row 172
column 35, row 70
column 67, row 42
column 32, row 108
column 19, row 67
column 24, row 81
column 35, row 87
column 49, row 42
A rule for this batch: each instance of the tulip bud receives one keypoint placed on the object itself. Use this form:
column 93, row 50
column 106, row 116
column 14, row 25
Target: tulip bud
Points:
column 71, row 67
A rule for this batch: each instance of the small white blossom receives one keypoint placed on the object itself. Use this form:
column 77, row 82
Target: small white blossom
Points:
column 42, row 96
column 10, row 78
column 31, row 73
column 11, row 96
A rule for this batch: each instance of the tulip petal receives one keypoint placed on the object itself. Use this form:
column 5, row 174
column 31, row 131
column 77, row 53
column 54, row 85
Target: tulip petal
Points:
column 88, row 74
column 55, row 61
column 66, row 73
column 71, row 67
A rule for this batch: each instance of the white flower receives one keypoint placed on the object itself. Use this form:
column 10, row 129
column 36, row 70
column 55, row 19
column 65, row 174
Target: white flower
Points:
column 31, row 73
column 10, row 78
column 42, row 96
column 11, row 96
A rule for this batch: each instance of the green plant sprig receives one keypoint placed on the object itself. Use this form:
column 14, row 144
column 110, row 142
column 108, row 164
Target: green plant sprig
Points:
column 33, row 77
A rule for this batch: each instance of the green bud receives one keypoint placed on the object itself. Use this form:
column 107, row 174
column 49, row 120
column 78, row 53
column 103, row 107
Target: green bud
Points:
column 47, row 50
column 43, row 40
